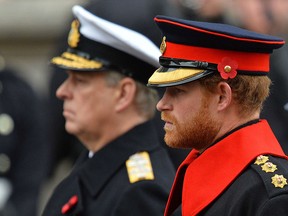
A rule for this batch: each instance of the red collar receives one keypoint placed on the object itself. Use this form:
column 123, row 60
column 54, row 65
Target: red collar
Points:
column 208, row 175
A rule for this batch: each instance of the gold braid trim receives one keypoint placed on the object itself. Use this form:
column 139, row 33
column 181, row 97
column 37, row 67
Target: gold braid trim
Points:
column 74, row 61
column 173, row 76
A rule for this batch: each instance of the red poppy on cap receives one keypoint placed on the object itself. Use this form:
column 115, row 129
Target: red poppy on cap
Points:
column 227, row 68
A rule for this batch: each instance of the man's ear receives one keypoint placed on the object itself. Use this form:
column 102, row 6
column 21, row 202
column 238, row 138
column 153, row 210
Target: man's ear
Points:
column 224, row 92
column 126, row 91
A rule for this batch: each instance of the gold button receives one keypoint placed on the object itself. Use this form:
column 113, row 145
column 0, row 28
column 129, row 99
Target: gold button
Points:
column 227, row 68
column 5, row 163
column 6, row 124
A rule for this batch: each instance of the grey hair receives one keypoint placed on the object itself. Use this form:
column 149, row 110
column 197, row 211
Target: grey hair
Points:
column 146, row 98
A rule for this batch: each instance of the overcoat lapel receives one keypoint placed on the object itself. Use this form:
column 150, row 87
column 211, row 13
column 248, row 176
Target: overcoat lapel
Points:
column 99, row 169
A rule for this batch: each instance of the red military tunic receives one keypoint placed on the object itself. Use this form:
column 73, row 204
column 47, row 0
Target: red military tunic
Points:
column 202, row 178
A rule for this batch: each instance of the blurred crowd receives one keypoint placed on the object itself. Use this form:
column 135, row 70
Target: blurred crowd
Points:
column 33, row 141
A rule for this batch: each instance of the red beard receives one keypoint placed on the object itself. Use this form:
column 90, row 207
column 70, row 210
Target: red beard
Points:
column 197, row 131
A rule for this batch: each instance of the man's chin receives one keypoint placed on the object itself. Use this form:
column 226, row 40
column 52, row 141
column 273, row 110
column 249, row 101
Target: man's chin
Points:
column 171, row 141
column 70, row 129
column 176, row 145
column 176, row 142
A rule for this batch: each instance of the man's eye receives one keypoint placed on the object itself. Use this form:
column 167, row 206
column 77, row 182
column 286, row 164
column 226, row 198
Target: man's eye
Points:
column 80, row 79
column 176, row 91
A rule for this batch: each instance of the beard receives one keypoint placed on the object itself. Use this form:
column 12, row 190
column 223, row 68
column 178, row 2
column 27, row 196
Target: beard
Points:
column 197, row 131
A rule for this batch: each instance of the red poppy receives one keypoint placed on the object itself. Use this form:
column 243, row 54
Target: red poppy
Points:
column 227, row 68
column 70, row 204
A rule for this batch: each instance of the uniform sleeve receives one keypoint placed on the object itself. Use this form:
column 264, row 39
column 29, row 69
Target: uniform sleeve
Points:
column 275, row 206
column 142, row 199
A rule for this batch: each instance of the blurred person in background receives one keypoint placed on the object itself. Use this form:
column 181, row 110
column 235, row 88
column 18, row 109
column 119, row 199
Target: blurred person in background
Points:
column 24, row 153
column 202, row 10
column 124, row 170
column 134, row 14
column 277, row 12
column 267, row 17
column 276, row 109
column 250, row 14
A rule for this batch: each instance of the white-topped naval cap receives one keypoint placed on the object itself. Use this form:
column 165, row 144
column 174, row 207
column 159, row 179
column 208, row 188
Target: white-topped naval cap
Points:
column 95, row 44
column 119, row 37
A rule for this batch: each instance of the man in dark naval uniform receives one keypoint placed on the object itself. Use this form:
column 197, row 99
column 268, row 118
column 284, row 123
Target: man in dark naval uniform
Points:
column 216, row 81
column 107, row 105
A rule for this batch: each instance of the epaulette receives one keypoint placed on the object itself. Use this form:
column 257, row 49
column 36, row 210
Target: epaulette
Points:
column 139, row 167
column 274, row 173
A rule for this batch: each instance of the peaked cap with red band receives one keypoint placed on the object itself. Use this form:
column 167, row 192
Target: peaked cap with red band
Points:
column 192, row 50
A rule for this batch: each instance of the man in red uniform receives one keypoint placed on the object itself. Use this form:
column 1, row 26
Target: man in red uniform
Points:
column 216, row 81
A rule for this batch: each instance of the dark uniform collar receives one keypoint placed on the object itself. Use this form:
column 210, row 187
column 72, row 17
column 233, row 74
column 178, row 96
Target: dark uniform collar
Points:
column 94, row 172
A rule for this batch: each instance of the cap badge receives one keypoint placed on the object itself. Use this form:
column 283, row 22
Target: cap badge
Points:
column 227, row 68
column 74, row 35
column 269, row 167
column 163, row 45
column 261, row 159
column 6, row 124
column 279, row 181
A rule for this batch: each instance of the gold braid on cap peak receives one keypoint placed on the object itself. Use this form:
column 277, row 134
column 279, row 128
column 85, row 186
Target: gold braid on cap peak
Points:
column 176, row 75
column 74, row 61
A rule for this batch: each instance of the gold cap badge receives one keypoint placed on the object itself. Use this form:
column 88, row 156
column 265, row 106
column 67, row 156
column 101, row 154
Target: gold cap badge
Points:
column 279, row 181
column 74, row 35
column 163, row 45
column 139, row 167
